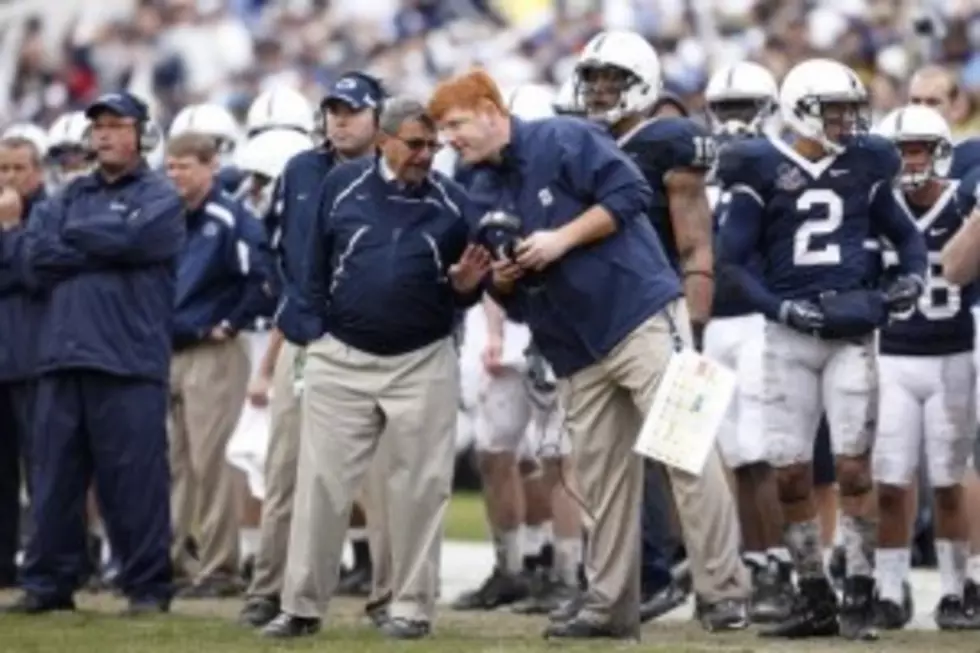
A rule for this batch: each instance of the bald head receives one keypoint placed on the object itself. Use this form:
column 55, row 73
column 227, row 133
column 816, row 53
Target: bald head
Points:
column 936, row 87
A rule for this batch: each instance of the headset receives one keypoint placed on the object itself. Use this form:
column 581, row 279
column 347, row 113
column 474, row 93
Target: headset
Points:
column 376, row 85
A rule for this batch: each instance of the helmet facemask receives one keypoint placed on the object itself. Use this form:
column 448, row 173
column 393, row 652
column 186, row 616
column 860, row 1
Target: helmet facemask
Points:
column 840, row 119
column 608, row 93
column 739, row 117
column 924, row 158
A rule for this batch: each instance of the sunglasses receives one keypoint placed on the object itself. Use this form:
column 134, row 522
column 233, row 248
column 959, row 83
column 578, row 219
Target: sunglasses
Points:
column 419, row 144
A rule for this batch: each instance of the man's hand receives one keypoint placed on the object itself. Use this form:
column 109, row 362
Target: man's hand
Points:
column 467, row 273
column 903, row 292
column 11, row 208
column 220, row 333
column 804, row 316
column 258, row 390
column 541, row 249
column 493, row 353
column 505, row 275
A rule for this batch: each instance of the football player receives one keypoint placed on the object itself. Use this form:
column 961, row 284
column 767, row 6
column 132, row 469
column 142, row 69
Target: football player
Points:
column 618, row 77
column 741, row 99
column 215, row 121
column 927, row 379
column 68, row 155
column 810, row 208
column 937, row 87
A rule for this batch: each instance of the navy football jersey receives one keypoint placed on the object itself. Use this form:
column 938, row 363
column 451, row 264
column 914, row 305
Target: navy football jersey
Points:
column 658, row 146
column 941, row 322
column 816, row 229
column 966, row 157
column 729, row 300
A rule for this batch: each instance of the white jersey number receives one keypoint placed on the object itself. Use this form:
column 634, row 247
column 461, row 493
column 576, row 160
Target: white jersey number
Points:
column 940, row 300
column 827, row 201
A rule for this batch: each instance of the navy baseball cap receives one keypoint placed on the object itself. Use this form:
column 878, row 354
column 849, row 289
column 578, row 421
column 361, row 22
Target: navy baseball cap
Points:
column 125, row 105
column 356, row 91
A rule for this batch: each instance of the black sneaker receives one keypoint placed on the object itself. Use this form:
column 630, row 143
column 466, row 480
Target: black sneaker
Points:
column 666, row 600
column 568, row 609
column 544, row 594
column 837, row 567
column 579, row 627
column 727, row 614
column 813, row 613
column 30, row 603
column 857, row 609
column 889, row 615
column 497, row 590
column 949, row 614
column 971, row 606
column 771, row 593
column 286, row 626
column 355, row 582
column 259, row 611
column 399, row 628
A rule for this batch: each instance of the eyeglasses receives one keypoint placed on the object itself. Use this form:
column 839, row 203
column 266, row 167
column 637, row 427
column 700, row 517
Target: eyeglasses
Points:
column 419, row 144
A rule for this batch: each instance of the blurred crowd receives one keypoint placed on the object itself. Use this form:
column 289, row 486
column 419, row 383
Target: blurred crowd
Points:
column 227, row 51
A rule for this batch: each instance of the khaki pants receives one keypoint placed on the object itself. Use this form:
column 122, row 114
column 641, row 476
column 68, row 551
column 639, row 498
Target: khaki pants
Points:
column 280, row 478
column 605, row 405
column 352, row 401
column 208, row 384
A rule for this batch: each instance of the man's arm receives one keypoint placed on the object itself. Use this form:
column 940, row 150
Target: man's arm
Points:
column 151, row 233
column 249, row 256
column 739, row 239
column 690, row 216
column 897, row 226
column 595, row 166
column 961, row 255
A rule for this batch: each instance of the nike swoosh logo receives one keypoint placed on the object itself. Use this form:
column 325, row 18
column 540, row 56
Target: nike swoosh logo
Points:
column 838, row 173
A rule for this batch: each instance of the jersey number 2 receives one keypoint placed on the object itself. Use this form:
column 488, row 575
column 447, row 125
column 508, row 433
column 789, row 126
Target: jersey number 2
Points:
column 804, row 253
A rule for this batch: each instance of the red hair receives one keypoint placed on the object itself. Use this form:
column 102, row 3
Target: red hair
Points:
column 473, row 91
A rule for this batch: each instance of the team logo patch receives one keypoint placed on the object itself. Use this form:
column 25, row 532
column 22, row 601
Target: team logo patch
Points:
column 545, row 197
column 789, row 177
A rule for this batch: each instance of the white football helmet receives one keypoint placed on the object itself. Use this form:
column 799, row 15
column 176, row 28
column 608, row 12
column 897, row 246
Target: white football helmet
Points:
column 280, row 108
column 812, row 87
column 919, row 124
column 68, row 155
column 37, row 136
column 635, row 63
column 263, row 158
column 740, row 98
column 532, row 102
column 566, row 100
column 211, row 120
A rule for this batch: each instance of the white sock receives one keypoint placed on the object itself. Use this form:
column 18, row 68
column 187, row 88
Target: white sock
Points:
column 755, row 558
column 568, row 556
column 839, row 534
column 780, row 554
column 891, row 570
column 951, row 557
column 357, row 534
column 509, row 553
column 827, row 555
column 536, row 537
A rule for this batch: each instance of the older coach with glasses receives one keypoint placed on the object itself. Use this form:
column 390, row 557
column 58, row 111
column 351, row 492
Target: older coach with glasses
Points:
column 388, row 267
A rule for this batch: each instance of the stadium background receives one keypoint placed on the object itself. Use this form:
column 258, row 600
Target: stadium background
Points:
column 58, row 54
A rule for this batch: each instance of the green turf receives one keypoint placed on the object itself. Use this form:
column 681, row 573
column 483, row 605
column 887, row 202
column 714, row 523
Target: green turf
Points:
column 466, row 518
column 208, row 627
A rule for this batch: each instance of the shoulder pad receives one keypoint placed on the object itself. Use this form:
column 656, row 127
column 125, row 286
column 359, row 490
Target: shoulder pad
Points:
column 746, row 163
column 884, row 158
column 968, row 191
column 670, row 143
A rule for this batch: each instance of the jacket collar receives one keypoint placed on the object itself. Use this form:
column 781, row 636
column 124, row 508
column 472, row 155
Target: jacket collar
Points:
column 97, row 180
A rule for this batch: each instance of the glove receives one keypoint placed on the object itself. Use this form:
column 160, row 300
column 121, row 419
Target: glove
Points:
column 902, row 293
column 697, row 335
column 802, row 315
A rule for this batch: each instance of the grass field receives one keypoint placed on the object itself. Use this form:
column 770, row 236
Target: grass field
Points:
column 208, row 627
